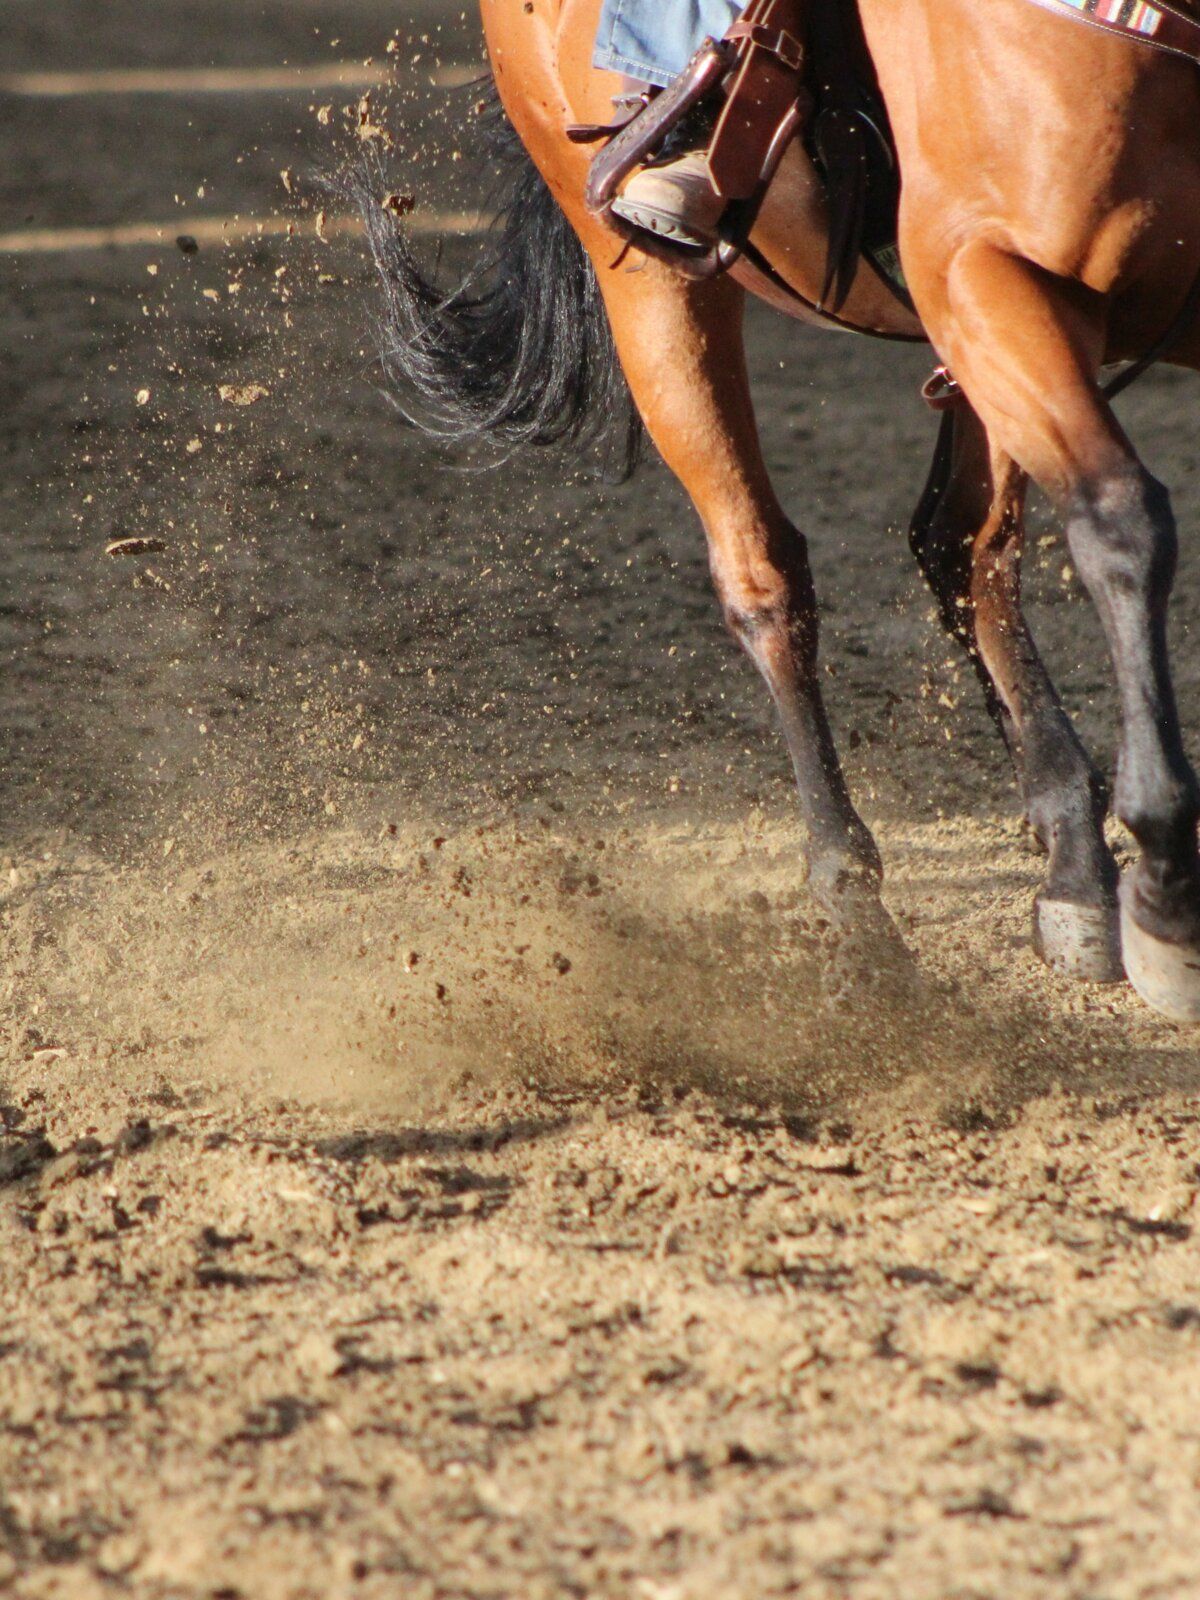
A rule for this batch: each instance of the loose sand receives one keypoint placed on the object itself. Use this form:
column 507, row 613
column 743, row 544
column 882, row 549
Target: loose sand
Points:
column 427, row 1167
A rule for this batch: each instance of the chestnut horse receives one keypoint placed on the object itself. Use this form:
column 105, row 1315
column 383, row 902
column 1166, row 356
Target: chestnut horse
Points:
column 1049, row 224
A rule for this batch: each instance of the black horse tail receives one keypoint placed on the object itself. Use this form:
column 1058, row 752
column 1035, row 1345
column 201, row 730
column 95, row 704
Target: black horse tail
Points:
column 520, row 353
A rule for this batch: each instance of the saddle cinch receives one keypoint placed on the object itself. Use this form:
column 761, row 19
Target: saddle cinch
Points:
column 784, row 70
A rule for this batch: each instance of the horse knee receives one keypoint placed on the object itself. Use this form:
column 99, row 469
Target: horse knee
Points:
column 1123, row 537
column 754, row 611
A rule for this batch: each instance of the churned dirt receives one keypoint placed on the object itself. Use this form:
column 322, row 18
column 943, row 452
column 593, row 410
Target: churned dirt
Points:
column 428, row 1164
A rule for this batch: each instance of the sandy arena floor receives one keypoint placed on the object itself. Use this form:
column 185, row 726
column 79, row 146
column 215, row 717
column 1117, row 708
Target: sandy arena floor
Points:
column 427, row 1167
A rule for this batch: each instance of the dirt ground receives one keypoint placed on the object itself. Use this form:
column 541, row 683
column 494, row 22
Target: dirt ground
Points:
column 427, row 1164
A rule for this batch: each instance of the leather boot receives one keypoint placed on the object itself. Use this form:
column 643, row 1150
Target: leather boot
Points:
column 676, row 200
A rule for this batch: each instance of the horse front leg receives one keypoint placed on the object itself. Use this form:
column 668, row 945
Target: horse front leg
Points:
column 1122, row 535
column 968, row 535
column 681, row 348
column 1026, row 355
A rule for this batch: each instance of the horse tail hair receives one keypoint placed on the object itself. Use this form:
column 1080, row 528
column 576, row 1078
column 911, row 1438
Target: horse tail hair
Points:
column 520, row 352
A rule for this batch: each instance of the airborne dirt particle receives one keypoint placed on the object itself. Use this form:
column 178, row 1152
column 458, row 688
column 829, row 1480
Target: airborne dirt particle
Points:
column 135, row 545
column 243, row 394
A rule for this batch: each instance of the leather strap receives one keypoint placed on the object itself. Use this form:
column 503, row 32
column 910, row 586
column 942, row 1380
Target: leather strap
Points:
column 756, row 274
column 1161, row 26
column 764, row 90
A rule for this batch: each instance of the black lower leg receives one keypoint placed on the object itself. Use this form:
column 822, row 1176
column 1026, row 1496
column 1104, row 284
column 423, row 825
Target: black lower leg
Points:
column 772, row 613
column 1123, row 538
column 967, row 536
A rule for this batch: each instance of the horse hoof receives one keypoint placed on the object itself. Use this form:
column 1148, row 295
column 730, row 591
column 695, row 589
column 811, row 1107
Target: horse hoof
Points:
column 1081, row 942
column 870, row 964
column 1167, row 976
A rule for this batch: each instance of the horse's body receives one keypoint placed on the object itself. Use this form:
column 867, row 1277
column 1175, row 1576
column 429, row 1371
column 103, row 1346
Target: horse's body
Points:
column 1050, row 223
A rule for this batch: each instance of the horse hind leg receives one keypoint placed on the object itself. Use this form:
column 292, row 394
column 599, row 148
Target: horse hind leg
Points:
column 967, row 535
column 681, row 348
column 1029, row 367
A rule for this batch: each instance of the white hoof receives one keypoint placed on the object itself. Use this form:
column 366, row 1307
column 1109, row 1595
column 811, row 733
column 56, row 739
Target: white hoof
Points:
column 1167, row 976
column 1079, row 941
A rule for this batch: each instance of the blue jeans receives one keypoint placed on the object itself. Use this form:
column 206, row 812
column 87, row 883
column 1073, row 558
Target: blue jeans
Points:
column 653, row 40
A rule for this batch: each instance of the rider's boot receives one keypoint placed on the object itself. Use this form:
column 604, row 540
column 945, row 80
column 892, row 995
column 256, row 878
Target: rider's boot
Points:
column 674, row 199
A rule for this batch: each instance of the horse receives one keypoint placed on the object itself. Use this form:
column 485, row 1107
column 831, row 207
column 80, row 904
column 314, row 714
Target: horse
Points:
column 1049, row 225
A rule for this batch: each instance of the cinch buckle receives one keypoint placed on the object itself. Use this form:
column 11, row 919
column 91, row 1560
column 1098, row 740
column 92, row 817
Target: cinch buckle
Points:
column 941, row 390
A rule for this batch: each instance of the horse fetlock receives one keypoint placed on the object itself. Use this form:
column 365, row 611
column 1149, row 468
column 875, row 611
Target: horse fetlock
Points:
column 1162, row 895
column 1070, row 827
column 1160, row 805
